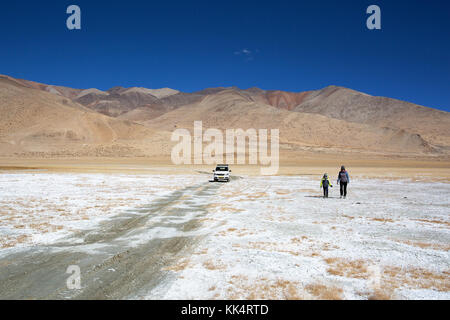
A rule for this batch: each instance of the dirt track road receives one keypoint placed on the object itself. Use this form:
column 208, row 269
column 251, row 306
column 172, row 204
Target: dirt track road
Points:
column 124, row 256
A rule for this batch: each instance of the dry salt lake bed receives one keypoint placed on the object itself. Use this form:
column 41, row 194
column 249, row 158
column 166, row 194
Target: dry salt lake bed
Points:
column 142, row 236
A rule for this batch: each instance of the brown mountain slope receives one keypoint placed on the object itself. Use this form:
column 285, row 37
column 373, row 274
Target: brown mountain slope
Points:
column 58, row 90
column 54, row 120
column 349, row 105
column 116, row 101
column 121, row 102
column 35, row 121
column 230, row 109
column 140, row 104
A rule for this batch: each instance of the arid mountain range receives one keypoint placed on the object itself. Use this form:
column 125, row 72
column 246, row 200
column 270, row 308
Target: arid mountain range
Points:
column 39, row 120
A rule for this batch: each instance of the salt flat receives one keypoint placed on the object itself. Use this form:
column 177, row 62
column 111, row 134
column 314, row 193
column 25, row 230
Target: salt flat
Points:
column 180, row 237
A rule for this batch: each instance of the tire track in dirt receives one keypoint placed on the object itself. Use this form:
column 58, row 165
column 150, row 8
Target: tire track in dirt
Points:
column 123, row 256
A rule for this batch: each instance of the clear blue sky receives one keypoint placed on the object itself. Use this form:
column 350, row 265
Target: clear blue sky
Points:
column 190, row 45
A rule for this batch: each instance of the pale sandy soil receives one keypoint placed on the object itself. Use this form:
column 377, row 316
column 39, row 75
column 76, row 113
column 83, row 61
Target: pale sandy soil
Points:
column 363, row 168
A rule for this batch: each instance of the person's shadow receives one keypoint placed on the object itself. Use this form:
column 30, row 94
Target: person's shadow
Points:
column 321, row 197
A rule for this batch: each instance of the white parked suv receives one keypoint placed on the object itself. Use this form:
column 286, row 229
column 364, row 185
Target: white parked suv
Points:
column 222, row 173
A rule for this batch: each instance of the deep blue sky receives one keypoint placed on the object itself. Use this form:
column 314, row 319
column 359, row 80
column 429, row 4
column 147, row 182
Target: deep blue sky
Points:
column 190, row 45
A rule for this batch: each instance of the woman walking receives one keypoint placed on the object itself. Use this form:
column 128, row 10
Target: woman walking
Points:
column 343, row 179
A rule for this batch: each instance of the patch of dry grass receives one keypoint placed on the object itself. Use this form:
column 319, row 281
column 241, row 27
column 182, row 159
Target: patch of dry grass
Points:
column 348, row 268
column 214, row 265
column 445, row 223
column 9, row 242
column 241, row 287
column 270, row 247
column 391, row 277
column 324, row 292
column 221, row 207
column 45, row 227
column 425, row 245
column 418, row 278
column 237, row 232
column 263, row 289
column 282, row 192
column 382, row 220
column 296, row 240
column 328, row 247
column 201, row 252
column 381, row 294
column 179, row 266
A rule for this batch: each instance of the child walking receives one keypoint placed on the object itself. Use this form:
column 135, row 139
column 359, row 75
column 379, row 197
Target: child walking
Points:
column 324, row 183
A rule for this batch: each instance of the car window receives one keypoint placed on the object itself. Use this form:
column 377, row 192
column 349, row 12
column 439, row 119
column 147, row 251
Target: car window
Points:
column 221, row 168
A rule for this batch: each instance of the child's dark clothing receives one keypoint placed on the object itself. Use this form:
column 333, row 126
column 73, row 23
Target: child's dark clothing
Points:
column 324, row 183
